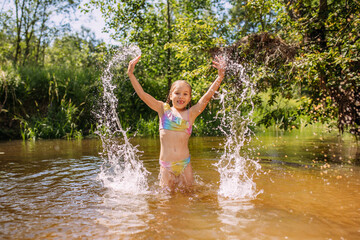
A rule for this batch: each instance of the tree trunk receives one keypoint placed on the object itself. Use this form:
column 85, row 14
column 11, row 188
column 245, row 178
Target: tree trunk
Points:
column 168, row 57
column 322, row 17
column 320, row 37
column 19, row 21
column 28, row 35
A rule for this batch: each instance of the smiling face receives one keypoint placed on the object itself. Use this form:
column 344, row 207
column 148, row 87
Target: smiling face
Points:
column 180, row 94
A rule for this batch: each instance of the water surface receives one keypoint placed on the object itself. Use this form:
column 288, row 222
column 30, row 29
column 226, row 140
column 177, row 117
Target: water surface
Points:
column 309, row 183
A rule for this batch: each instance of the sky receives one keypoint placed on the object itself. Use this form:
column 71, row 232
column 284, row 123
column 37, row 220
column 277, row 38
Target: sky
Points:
column 93, row 21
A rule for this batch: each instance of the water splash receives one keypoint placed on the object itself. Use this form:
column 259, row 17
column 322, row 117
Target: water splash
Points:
column 121, row 169
column 236, row 169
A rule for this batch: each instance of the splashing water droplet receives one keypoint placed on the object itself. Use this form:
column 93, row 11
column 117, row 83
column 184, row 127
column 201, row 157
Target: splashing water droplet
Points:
column 235, row 168
column 121, row 169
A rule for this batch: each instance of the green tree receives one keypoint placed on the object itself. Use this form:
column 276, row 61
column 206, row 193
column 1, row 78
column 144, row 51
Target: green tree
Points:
column 329, row 60
column 175, row 38
column 50, row 93
column 326, row 68
column 33, row 27
column 253, row 16
column 78, row 50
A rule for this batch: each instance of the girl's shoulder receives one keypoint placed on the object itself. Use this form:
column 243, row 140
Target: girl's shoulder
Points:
column 166, row 107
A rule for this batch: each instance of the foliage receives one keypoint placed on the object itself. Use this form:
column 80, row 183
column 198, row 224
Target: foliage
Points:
column 329, row 60
column 254, row 16
column 33, row 28
column 49, row 78
column 148, row 128
column 274, row 110
column 49, row 102
column 303, row 55
column 207, row 124
column 59, row 122
column 326, row 67
column 9, row 81
column 79, row 50
column 174, row 37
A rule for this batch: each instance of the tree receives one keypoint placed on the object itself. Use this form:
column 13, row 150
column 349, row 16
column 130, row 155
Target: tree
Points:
column 330, row 52
column 49, row 90
column 32, row 25
column 326, row 67
column 174, row 37
column 152, row 25
column 253, row 16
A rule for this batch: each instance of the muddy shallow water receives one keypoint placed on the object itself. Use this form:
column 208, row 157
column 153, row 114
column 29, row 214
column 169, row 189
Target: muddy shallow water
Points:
column 309, row 188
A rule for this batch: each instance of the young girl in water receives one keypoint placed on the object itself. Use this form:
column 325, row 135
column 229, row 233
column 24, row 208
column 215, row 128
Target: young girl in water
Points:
column 176, row 125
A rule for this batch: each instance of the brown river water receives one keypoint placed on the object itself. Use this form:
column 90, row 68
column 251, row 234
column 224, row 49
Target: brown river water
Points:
column 309, row 183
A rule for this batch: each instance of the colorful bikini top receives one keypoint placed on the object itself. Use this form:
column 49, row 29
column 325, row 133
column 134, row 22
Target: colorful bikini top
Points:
column 169, row 121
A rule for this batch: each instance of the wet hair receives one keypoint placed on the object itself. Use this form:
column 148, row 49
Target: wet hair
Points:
column 173, row 85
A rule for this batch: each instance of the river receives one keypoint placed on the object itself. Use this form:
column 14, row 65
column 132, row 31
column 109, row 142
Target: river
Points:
column 309, row 189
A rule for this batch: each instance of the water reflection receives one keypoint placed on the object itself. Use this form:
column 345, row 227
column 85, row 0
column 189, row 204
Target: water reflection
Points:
column 183, row 216
column 39, row 197
column 235, row 215
column 308, row 147
column 122, row 214
column 49, row 194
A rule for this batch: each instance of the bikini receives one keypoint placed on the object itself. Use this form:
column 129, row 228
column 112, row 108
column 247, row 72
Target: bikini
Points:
column 171, row 122
column 177, row 167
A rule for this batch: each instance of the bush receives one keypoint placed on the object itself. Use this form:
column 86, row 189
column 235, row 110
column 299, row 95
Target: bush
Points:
column 46, row 102
column 274, row 110
column 148, row 128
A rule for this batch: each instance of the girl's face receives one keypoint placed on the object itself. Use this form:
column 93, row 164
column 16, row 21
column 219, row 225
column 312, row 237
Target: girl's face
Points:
column 180, row 96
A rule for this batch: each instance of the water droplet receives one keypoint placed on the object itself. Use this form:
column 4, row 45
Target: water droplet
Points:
column 121, row 169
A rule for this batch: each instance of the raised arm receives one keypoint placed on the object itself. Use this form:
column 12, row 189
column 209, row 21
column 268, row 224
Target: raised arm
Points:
column 147, row 98
column 198, row 108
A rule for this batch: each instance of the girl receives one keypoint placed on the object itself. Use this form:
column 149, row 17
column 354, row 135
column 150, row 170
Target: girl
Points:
column 176, row 125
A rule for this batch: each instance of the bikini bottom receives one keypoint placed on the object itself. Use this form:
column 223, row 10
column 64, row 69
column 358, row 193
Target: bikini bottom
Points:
column 177, row 167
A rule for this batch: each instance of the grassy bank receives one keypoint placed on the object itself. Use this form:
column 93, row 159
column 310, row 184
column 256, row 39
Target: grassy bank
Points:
column 57, row 102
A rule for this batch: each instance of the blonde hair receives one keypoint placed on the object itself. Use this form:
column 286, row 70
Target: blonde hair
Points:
column 173, row 85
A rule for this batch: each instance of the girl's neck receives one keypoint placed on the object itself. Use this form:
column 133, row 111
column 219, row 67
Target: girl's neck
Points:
column 179, row 110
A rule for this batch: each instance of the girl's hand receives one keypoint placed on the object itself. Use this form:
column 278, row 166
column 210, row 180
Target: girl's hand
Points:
column 220, row 65
column 132, row 64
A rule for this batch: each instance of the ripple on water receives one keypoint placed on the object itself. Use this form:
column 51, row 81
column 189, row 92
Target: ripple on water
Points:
column 61, row 198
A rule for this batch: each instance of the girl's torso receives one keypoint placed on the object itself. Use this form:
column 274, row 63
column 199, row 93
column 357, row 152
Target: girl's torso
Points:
column 174, row 145
column 174, row 135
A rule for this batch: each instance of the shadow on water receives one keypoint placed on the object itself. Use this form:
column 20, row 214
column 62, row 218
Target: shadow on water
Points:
column 306, row 148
